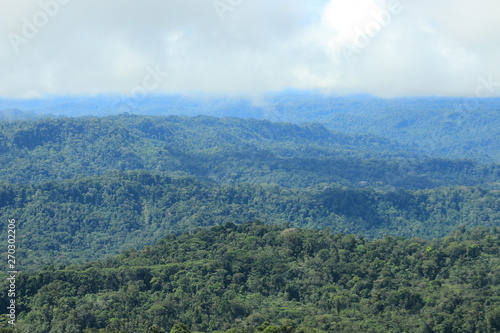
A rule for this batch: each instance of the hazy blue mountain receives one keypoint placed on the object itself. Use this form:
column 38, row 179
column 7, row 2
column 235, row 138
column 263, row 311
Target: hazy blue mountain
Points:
column 222, row 150
column 440, row 126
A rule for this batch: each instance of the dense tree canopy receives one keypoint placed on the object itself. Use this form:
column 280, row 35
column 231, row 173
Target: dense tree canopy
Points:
column 256, row 277
column 352, row 233
column 224, row 150
column 89, row 218
column 451, row 127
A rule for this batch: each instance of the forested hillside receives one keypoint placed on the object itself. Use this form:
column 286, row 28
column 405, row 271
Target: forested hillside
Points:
column 223, row 150
column 444, row 127
column 86, row 189
column 260, row 278
column 89, row 218
column 439, row 126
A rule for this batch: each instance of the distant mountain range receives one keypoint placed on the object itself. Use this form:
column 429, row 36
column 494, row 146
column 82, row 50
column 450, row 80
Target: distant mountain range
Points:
column 87, row 187
column 438, row 126
column 223, row 150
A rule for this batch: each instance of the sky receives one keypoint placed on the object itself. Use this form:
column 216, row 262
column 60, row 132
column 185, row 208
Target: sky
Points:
column 382, row 47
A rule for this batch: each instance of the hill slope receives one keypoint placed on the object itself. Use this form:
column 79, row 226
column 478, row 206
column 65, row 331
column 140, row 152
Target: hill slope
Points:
column 90, row 218
column 439, row 126
column 257, row 278
column 226, row 150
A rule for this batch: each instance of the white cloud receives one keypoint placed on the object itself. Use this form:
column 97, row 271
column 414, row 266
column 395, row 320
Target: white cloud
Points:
column 91, row 46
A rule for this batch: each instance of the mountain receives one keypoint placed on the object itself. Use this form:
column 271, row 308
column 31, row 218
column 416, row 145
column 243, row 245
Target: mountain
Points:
column 91, row 218
column 255, row 278
column 350, row 232
column 444, row 127
column 222, row 150
column 16, row 114
column 88, row 187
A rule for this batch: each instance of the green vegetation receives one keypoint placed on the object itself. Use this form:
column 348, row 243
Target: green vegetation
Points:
column 261, row 278
column 352, row 233
column 439, row 126
column 89, row 218
column 226, row 150
column 443, row 127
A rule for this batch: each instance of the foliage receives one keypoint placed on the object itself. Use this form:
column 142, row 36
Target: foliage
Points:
column 452, row 127
column 84, row 189
column 260, row 278
column 89, row 218
column 222, row 150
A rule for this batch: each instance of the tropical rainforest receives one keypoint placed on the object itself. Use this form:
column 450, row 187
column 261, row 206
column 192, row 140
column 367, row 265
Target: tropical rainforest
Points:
column 443, row 127
column 140, row 223
column 223, row 150
column 260, row 278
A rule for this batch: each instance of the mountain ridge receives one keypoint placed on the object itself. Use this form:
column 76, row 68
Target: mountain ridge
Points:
column 223, row 150
column 451, row 127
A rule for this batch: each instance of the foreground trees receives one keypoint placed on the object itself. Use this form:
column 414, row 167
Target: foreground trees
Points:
column 256, row 277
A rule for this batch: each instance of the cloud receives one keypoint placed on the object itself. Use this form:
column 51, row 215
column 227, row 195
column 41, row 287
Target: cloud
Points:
column 343, row 46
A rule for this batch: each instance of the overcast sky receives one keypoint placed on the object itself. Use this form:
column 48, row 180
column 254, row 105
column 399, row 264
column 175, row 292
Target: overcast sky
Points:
column 388, row 48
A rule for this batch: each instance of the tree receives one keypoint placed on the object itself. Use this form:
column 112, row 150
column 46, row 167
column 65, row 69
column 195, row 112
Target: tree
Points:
column 158, row 329
column 180, row 328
